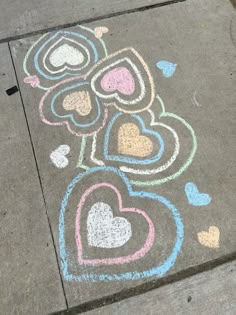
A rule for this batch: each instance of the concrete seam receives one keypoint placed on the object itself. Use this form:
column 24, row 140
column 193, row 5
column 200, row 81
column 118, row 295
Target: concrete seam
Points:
column 89, row 20
column 39, row 176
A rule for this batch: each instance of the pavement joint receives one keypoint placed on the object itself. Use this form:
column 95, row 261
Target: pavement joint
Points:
column 148, row 286
column 85, row 21
column 39, row 176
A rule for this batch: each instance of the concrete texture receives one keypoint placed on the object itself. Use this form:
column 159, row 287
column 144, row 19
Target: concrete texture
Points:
column 195, row 36
column 20, row 17
column 211, row 292
column 30, row 281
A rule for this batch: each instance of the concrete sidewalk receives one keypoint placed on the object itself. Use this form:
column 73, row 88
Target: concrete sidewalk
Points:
column 118, row 160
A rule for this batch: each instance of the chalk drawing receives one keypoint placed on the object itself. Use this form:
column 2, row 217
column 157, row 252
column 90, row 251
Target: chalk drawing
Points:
column 110, row 101
column 167, row 68
column 194, row 100
column 78, row 101
column 104, row 230
column 130, row 142
column 58, row 156
column 100, row 30
column 157, row 270
column 69, row 49
column 118, row 79
column 129, row 59
column 32, row 80
column 113, row 233
column 86, row 127
column 211, row 238
column 195, row 198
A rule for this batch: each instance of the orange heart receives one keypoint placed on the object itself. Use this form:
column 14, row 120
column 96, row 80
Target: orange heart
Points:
column 211, row 238
column 131, row 143
column 78, row 101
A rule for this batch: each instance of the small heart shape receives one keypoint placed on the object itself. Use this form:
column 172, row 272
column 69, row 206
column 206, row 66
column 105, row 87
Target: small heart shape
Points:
column 195, row 198
column 104, row 230
column 130, row 142
column 66, row 54
column 211, row 238
column 167, row 68
column 58, row 156
column 118, row 79
column 100, row 30
column 33, row 80
column 78, row 101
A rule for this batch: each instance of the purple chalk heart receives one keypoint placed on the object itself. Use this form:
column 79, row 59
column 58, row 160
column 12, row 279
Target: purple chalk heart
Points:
column 32, row 80
column 119, row 79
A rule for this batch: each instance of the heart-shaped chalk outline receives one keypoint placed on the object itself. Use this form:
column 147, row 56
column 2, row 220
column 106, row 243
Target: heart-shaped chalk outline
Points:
column 167, row 68
column 118, row 260
column 158, row 270
column 211, row 238
column 58, row 156
column 195, row 198
column 127, row 159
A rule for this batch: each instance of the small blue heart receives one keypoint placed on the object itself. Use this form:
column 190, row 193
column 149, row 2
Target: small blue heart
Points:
column 195, row 198
column 167, row 68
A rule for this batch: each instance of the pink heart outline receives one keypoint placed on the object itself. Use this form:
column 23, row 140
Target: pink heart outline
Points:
column 33, row 80
column 118, row 260
column 118, row 79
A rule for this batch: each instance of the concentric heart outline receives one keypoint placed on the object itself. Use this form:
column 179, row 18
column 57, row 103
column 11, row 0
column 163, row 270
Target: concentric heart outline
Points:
column 117, row 260
column 159, row 270
column 131, row 160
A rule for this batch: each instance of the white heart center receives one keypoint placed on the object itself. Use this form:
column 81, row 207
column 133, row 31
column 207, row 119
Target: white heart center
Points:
column 66, row 54
column 104, row 230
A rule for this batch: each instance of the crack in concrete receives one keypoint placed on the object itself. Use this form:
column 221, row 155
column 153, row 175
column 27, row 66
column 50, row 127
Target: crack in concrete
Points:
column 89, row 20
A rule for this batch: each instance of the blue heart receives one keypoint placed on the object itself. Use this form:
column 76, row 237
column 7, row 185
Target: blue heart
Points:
column 195, row 198
column 158, row 270
column 167, row 68
column 127, row 159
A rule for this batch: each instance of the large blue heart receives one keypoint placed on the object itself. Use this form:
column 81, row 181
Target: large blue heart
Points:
column 158, row 270
column 128, row 159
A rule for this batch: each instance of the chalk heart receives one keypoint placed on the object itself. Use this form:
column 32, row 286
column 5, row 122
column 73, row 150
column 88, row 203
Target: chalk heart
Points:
column 167, row 68
column 195, row 198
column 66, row 54
column 78, row 101
column 130, row 142
column 100, row 30
column 104, row 230
column 118, row 79
column 33, row 80
column 58, row 156
column 211, row 238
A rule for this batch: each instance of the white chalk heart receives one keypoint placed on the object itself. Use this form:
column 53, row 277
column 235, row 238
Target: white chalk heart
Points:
column 66, row 54
column 58, row 156
column 104, row 230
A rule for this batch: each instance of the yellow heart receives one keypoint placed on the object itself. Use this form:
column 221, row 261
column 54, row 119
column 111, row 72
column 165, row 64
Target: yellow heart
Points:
column 211, row 238
column 131, row 143
column 78, row 101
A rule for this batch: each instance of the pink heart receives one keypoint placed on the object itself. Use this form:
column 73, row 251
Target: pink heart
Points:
column 119, row 79
column 117, row 260
column 33, row 80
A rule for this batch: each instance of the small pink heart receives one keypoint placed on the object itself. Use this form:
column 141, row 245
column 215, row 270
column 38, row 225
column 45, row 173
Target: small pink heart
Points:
column 99, row 31
column 33, row 80
column 119, row 79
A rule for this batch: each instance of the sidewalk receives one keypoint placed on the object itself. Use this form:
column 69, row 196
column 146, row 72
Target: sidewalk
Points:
column 118, row 160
